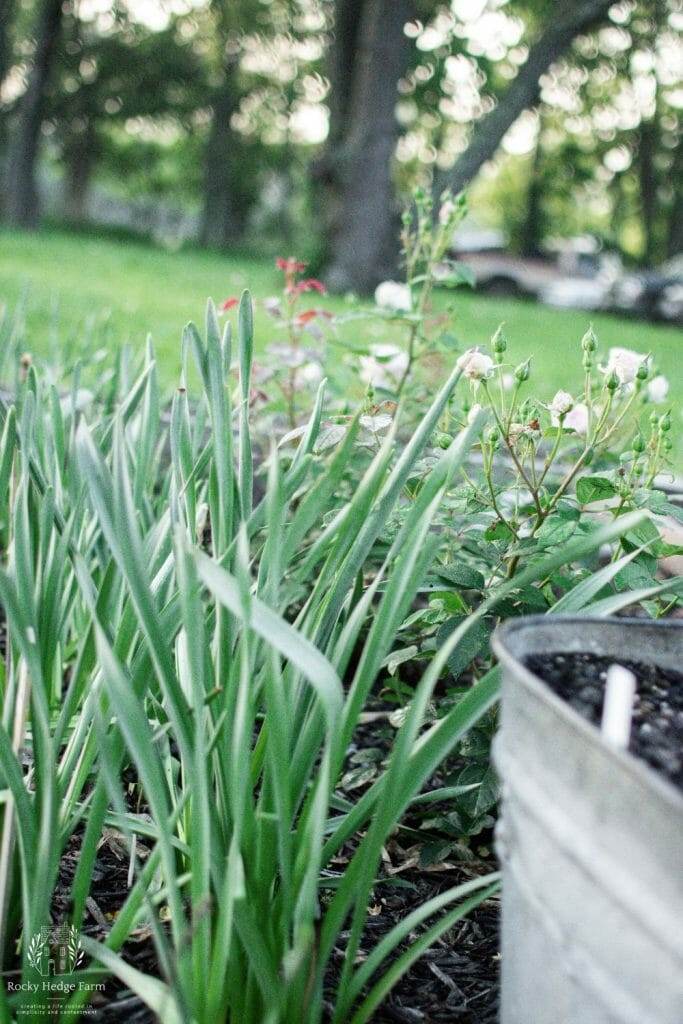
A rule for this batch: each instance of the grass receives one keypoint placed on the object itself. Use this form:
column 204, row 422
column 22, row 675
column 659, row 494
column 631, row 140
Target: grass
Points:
column 125, row 289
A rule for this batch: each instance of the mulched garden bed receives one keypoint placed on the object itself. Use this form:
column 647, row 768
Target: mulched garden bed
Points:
column 455, row 981
column 657, row 732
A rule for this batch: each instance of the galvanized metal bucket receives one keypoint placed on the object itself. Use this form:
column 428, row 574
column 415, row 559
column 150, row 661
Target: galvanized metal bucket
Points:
column 591, row 844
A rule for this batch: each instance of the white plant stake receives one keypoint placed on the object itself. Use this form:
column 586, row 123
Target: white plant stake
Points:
column 618, row 707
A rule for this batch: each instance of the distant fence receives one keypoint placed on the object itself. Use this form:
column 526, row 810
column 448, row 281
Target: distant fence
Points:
column 149, row 216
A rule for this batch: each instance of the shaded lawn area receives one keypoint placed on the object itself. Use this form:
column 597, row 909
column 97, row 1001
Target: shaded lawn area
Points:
column 79, row 286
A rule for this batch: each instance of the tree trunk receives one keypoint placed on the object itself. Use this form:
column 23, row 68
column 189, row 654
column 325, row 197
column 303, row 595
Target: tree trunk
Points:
column 347, row 20
column 647, row 179
column 21, row 193
column 80, row 159
column 524, row 91
column 674, row 241
column 6, row 15
column 533, row 223
column 341, row 61
column 222, row 221
column 364, row 235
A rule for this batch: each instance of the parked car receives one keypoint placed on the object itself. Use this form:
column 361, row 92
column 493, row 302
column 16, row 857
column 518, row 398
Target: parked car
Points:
column 501, row 273
column 654, row 294
column 584, row 292
column 574, row 272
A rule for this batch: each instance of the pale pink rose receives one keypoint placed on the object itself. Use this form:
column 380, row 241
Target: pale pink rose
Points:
column 393, row 295
column 577, row 419
column 475, row 365
column 446, row 212
column 516, row 431
column 658, row 389
column 311, row 373
column 561, row 404
column 384, row 367
column 624, row 362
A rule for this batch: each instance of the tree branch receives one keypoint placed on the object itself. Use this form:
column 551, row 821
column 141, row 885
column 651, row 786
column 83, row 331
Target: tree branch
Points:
column 524, row 91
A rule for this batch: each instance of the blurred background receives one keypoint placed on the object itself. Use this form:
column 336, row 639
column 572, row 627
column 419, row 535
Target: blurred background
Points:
column 155, row 151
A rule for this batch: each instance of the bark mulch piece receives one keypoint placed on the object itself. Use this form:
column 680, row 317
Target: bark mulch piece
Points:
column 657, row 733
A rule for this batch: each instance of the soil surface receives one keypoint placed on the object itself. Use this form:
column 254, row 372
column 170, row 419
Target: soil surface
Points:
column 657, row 731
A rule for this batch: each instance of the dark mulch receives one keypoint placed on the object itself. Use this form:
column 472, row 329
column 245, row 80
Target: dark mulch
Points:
column 455, row 981
column 108, row 893
column 657, row 733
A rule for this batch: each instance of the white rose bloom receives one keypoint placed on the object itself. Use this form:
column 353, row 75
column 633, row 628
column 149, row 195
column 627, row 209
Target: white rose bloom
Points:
column 475, row 365
column 384, row 367
column 577, row 419
column 561, row 404
column 625, row 363
column 658, row 389
column 311, row 373
column 473, row 413
column 508, row 381
column 393, row 295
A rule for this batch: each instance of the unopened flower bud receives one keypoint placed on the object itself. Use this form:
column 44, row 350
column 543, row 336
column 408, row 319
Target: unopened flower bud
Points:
column 612, row 382
column 667, row 444
column 498, row 341
column 523, row 371
column 638, row 444
column 492, row 438
column 442, row 440
column 665, row 423
column 528, row 410
column 589, row 342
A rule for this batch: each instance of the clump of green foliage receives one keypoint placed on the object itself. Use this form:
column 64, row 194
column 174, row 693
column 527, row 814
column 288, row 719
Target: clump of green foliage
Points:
column 193, row 634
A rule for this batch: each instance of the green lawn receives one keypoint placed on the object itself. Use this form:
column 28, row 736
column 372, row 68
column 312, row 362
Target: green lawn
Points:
column 75, row 284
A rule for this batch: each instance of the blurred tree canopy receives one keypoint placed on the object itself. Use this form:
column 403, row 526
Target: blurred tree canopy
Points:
column 305, row 122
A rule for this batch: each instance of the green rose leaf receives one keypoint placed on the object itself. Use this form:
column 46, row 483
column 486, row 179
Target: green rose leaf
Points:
column 472, row 644
column 594, row 488
column 462, row 575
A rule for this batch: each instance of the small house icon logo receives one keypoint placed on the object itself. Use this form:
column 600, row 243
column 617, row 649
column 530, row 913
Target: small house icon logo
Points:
column 55, row 950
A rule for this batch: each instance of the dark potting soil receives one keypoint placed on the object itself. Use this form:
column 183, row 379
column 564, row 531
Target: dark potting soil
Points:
column 657, row 732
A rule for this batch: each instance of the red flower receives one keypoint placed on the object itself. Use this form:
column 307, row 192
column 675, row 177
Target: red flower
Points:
column 311, row 285
column 290, row 265
column 229, row 304
column 310, row 314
